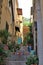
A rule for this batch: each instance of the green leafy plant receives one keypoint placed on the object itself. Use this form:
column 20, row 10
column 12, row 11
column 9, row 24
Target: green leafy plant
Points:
column 29, row 36
column 32, row 59
column 5, row 47
column 13, row 47
column 3, row 54
column 3, row 44
column 17, row 46
column 4, row 36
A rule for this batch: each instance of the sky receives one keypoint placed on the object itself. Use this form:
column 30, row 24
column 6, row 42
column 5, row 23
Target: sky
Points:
column 25, row 5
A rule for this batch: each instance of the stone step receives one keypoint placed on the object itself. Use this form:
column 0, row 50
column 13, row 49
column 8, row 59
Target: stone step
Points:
column 15, row 63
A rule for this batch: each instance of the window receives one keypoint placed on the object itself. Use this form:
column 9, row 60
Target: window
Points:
column 0, row 22
column 31, row 10
column 17, row 29
column 0, row 12
column 0, row 6
column 0, row 17
column 7, row 26
column 35, row 23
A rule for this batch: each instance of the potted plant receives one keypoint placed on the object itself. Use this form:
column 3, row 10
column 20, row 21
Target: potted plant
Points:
column 29, row 60
column 4, row 36
column 13, row 47
column 35, row 60
column 3, row 54
column 32, row 60
column 3, row 46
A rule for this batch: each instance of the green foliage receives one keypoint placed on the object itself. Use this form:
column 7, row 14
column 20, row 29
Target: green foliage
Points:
column 24, row 43
column 26, row 21
column 13, row 47
column 30, row 38
column 3, row 53
column 17, row 46
column 30, row 35
column 32, row 59
column 4, row 36
column 30, row 26
column 25, row 40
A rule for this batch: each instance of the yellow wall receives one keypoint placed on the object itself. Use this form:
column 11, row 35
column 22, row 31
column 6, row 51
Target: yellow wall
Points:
column 6, row 15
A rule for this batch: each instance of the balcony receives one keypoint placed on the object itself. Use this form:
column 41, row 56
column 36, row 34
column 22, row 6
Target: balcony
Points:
column 19, row 11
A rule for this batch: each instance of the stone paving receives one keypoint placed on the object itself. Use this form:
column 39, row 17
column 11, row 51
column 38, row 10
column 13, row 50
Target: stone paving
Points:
column 18, row 59
column 16, row 63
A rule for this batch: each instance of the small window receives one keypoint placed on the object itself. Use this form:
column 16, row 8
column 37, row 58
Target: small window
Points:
column 0, row 17
column 7, row 26
column 0, row 12
column 35, row 24
column 0, row 21
column 1, row 6
column 17, row 29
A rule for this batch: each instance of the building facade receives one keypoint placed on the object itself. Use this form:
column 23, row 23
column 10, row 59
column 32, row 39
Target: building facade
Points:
column 6, row 17
column 19, row 23
column 38, row 28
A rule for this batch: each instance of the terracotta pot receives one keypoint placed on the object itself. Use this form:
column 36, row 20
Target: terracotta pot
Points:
column 33, row 64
